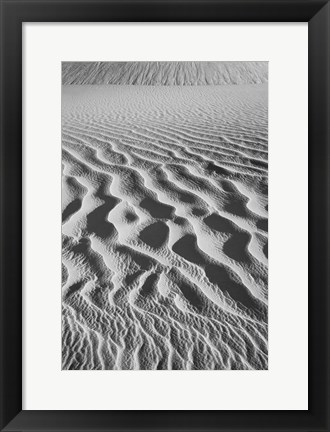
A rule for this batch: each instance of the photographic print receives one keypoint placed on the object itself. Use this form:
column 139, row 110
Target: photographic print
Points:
column 165, row 215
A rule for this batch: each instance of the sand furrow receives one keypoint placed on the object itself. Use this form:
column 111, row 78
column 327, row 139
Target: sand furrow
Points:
column 165, row 217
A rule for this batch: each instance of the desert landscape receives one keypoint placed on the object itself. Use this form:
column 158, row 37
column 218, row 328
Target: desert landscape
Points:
column 165, row 215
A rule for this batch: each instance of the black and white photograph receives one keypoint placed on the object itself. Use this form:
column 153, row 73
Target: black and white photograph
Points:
column 165, row 215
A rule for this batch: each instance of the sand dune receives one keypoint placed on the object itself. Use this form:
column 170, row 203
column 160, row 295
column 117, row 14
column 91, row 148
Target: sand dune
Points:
column 165, row 215
column 164, row 73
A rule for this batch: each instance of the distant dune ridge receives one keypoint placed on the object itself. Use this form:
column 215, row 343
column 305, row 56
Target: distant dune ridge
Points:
column 165, row 216
column 164, row 73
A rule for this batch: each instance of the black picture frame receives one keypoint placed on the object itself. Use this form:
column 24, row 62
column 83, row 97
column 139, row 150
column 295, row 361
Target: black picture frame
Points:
column 13, row 14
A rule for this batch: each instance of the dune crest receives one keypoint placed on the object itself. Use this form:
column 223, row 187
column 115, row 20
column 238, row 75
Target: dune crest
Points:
column 164, row 73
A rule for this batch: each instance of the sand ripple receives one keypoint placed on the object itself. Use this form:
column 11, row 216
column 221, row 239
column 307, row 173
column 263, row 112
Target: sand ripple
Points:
column 165, row 214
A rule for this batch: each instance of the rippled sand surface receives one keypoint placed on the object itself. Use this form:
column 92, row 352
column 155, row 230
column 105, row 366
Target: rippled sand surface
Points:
column 165, row 220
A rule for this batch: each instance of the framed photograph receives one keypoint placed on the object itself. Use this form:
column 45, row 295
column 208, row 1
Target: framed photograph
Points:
column 164, row 217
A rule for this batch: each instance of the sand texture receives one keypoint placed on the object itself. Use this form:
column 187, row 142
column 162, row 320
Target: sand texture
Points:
column 165, row 216
column 164, row 73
